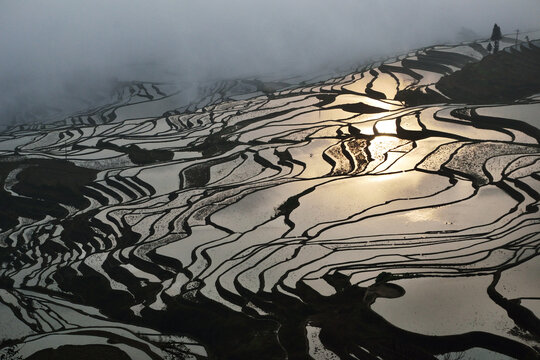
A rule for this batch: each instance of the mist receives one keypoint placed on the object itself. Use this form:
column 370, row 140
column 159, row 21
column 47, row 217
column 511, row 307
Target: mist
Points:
column 55, row 51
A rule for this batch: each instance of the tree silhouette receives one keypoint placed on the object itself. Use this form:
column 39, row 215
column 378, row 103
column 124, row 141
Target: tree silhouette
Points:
column 496, row 35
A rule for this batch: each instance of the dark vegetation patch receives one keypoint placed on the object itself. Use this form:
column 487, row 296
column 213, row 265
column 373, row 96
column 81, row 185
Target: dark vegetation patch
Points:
column 142, row 156
column 80, row 352
column 501, row 77
column 43, row 184
column 6, row 282
column 360, row 108
column 55, row 181
column 198, row 175
column 215, row 144
column 138, row 155
column 420, row 96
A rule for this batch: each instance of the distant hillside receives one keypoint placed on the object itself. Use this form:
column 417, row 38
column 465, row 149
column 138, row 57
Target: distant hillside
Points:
column 506, row 76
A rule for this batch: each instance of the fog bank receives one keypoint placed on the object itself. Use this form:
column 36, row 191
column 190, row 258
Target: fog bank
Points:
column 55, row 50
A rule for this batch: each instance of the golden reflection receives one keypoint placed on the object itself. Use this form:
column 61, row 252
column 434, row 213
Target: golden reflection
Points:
column 344, row 99
column 386, row 127
column 386, row 85
column 384, row 151
column 421, row 215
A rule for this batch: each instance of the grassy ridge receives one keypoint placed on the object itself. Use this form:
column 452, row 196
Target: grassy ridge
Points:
column 497, row 78
column 501, row 77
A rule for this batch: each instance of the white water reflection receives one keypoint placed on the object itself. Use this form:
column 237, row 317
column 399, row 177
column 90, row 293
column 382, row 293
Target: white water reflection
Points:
column 453, row 306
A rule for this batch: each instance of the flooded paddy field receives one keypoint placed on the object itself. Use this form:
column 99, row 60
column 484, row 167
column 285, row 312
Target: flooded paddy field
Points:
column 367, row 216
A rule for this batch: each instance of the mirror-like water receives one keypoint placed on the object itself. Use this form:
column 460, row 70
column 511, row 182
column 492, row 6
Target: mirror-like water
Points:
column 324, row 221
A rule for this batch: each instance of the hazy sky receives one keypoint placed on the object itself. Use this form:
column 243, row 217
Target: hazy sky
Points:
column 45, row 45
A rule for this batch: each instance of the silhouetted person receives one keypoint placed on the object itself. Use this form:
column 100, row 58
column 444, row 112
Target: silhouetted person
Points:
column 489, row 48
column 496, row 35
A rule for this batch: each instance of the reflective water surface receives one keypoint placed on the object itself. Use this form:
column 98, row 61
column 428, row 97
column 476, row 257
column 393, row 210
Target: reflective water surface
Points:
column 323, row 221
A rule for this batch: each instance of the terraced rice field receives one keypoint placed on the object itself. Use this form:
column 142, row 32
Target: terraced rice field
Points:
column 324, row 221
